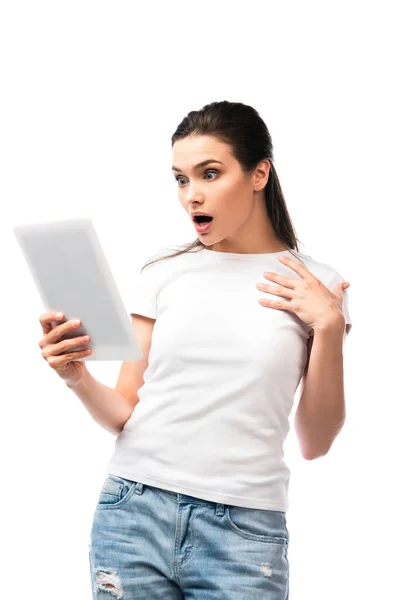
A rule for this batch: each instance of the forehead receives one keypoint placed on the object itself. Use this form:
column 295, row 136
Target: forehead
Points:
column 188, row 152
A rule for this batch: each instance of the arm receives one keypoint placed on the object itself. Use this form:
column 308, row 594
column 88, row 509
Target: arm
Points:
column 320, row 414
column 107, row 406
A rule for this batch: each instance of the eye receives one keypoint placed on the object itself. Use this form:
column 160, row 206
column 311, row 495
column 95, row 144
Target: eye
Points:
column 206, row 173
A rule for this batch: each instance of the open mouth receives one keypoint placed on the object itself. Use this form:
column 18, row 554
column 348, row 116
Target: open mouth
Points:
column 202, row 219
column 202, row 223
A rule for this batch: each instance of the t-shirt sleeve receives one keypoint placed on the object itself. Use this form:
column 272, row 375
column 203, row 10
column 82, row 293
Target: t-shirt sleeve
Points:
column 337, row 278
column 143, row 296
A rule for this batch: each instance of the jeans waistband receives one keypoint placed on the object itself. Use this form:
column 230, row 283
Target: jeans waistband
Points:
column 178, row 497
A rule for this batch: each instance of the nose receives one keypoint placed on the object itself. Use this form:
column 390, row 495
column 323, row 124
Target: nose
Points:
column 192, row 191
column 194, row 203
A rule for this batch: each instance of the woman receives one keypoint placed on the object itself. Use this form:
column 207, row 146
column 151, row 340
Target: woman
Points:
column 195, row 501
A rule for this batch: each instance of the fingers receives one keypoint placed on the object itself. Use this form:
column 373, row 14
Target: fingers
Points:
column 65, row 346
column 50, row 316
column 46, row 320
column 60, row 349
column 63, row 359
column 53, row 333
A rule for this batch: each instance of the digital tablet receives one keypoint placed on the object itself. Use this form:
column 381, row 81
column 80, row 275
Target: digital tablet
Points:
column 72, row 276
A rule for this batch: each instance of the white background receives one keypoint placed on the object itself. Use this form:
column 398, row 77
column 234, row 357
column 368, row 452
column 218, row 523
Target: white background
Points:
column 91, row 93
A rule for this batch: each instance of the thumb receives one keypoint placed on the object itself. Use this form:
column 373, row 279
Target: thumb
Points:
column 342, row 286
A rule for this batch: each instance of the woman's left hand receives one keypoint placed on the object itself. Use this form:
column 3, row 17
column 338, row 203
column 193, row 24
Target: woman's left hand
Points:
column 308, row 297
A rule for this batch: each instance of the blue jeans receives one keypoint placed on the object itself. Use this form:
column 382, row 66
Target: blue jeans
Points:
column 148, row 544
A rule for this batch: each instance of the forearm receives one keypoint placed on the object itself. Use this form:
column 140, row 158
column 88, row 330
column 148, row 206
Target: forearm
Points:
column 321, row 411
column 107, row 407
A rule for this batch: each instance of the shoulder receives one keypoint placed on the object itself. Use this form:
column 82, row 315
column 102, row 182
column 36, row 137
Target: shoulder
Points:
column 160, row 267
column 325, row 272
column 330, row 277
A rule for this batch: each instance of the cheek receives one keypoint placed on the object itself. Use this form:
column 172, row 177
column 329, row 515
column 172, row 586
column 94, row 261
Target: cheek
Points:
column 230, row 204
column 237, row 204
column 230, row 195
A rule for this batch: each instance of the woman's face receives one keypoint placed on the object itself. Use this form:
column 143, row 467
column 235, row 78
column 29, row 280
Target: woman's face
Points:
column 220, row 190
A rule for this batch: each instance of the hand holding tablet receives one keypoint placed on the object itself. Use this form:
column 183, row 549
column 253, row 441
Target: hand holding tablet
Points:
column 62, row 356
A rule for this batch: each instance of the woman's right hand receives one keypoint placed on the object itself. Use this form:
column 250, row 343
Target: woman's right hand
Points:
column 60, row 355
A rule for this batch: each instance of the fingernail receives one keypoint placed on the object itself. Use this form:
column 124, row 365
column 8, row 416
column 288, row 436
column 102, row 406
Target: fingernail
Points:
column 59, row 315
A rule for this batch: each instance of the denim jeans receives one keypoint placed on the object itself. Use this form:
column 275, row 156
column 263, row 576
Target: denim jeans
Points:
column 148, row 544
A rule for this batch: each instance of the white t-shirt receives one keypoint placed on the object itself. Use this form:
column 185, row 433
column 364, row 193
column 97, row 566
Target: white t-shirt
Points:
column 213, row 412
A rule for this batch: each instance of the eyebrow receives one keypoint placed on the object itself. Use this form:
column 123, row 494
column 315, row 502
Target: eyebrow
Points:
column 202, row 164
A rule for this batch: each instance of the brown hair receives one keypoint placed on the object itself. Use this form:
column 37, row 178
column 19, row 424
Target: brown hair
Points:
column 241, row 126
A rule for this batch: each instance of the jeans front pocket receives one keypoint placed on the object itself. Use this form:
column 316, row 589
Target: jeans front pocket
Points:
column 258, row 524
column 115, row 491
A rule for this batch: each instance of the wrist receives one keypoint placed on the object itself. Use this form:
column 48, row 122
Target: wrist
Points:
column 81, row 381
column 332, row 325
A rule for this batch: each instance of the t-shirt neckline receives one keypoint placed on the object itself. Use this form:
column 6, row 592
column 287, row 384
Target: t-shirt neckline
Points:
column 246, row 256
